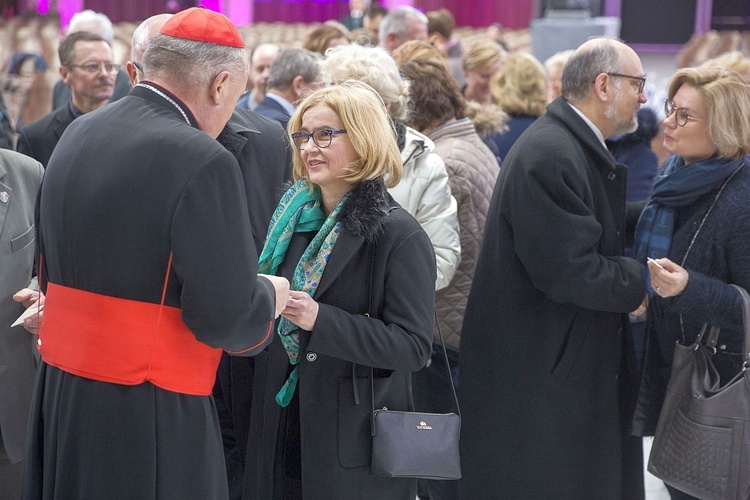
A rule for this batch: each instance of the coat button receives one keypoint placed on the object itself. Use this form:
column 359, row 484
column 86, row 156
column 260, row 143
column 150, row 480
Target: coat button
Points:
column 611, row 176
column 311, row 356
column 4, row 197
column 723, row 347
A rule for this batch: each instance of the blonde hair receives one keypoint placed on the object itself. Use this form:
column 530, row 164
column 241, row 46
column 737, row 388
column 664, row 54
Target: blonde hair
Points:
column 520, row 88
column 482, row 54
column 367, row 126
column 556, row 62
column 413, row 49
column 734, row 61
column 727, row 98
column 373, row 66
column 320, row 38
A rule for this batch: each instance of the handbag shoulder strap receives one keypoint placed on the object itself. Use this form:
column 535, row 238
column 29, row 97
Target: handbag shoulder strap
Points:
column 746, row 326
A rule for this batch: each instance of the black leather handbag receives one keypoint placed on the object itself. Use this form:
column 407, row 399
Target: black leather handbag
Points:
column 413, row 444
column 702, row 441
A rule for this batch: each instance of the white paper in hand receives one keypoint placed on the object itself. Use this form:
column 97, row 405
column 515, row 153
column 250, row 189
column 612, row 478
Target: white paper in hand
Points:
column 27, row 314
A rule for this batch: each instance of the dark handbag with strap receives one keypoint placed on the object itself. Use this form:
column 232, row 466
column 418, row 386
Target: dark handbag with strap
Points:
column 413, row 444
column 702, row 441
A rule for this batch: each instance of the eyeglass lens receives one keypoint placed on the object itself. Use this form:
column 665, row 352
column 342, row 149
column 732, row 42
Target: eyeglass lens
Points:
column 321, row 138
column 681, row 115
column 94, row 67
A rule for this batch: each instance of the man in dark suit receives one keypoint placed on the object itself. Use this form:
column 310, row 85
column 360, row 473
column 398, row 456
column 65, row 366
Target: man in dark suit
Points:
column 99, row 24
column 19, row 182
column 88, row 68
column 294, row 73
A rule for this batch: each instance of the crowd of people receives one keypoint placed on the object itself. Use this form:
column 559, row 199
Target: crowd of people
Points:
column 224, row 255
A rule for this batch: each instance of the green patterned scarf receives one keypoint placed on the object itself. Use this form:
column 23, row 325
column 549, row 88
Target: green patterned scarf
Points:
column 300, row 210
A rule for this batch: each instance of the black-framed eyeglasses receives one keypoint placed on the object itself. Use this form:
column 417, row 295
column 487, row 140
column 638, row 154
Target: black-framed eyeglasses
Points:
column 641, row 79
column 322, row 137
column 93, row 67
column 138, row 67
column 681, row 115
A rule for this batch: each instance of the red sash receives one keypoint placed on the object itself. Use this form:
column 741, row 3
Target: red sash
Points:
column 124, row 341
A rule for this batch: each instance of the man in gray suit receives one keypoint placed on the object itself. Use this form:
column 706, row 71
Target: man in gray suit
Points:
column 19, row 183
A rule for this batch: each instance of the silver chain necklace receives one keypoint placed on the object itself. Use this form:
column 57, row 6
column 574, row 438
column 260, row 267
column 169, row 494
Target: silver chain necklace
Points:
column 168, row 99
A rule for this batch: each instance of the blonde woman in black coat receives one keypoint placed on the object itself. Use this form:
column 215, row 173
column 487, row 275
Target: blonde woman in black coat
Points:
column 363, row 273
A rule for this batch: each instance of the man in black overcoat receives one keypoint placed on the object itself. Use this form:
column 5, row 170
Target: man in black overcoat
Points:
column 545, row 332
column 142, row 210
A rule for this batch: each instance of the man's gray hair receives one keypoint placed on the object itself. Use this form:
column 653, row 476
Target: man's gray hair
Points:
column 289, row 64
column 88, row 17
column 585, row 65
column 191, row 63
column 397, row 22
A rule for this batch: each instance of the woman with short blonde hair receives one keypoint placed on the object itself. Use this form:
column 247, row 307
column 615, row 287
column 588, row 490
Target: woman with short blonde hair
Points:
column 360, row 313
column 371, row 133
column 727, row 103
column 695, row 226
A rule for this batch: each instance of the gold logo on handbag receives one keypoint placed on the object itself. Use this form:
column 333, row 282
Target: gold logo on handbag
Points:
column 423, row 426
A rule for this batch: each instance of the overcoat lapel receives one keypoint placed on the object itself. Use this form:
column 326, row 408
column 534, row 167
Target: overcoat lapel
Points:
column 345, row 248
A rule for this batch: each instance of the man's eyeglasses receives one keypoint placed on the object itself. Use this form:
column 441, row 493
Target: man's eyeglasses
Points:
column 641, row 79
column 321, row 137
column 681, row 115
column 138, row 67
column 92, row 68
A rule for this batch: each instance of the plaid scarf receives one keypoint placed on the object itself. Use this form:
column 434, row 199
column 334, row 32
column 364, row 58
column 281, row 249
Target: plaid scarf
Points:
column 679, row 186
column 300, row 210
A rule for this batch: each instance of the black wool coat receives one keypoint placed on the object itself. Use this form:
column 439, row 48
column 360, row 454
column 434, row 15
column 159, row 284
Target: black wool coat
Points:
column 542, row 342
column 381, row 242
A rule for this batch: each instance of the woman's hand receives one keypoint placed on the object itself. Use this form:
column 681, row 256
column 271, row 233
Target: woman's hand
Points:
column 669, row 280
column 301, row 310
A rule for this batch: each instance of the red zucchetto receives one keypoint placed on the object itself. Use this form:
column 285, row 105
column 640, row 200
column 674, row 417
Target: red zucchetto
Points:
column 203, row 25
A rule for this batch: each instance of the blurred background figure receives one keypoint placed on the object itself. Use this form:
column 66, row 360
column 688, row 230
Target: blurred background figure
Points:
column 496, row 33
column 354, row 19
column 440, row 26
column 438, row 112
column 634, row 151
column 735, row 61
column 520, row 89
column 554, row 66
column 482, row 60
column 260, row 65
column 327, row 35
column 294, row 74
column 400, row 25
column 371, row 22
column 423, row 191
column 88, row 71
column 99, row 24
column 488, row 120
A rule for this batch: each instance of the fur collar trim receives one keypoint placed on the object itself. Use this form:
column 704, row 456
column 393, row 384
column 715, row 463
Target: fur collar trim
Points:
column 365, row 211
